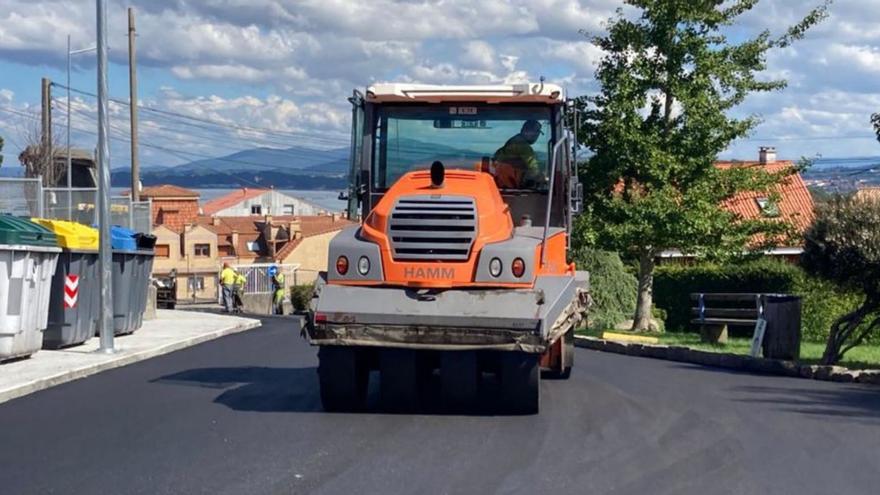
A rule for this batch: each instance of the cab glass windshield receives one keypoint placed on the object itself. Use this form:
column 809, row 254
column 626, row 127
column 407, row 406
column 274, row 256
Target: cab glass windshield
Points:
column 512, row 143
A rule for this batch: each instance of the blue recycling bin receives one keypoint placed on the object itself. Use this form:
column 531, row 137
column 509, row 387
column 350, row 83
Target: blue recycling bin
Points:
column 132, row 266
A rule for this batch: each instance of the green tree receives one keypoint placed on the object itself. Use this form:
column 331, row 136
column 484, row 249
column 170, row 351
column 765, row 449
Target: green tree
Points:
column 843, row 246
column 875, row 121
column 668, row 79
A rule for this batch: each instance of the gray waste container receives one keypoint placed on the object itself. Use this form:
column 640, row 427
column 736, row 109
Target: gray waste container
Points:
column 28, row 255
column 74, row 301
column 132, row 266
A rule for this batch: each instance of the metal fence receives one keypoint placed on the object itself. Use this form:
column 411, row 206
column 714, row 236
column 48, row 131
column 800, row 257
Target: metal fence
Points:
column 21, row 197
column 27, row 197
column 258, row 279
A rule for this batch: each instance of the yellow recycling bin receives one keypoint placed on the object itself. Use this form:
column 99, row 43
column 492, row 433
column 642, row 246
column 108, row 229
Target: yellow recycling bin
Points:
column 73, row 305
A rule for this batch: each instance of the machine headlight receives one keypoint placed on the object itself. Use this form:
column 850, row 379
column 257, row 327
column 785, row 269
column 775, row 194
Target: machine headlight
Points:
column 495, row 267
column 363, row 265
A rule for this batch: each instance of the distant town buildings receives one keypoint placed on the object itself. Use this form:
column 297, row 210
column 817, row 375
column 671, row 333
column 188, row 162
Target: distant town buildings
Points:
column 249, row 201
column 195, row 246
column 868, row 193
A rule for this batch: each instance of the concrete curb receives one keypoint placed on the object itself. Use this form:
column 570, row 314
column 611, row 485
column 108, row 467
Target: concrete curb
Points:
column 731, row 361
column 119, row 360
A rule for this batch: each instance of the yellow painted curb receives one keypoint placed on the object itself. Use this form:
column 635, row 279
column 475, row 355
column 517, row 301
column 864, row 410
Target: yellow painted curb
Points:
column 621, row 337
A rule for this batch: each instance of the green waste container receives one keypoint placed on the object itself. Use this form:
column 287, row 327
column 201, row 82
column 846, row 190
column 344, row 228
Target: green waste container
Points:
column 74, row 303
column 28, row 257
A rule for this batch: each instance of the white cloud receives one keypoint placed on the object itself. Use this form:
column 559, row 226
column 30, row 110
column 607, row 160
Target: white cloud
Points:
column 310, row 53
column 478, row 55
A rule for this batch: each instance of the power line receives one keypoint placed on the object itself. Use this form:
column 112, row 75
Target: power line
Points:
column 247, row 128
column 213, row 133
column 121, row 136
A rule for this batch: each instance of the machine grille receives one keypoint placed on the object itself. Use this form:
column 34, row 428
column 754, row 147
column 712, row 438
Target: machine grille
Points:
column 433, row 228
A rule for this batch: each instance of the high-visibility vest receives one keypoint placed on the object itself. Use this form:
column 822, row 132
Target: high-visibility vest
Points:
column 278, row 281
column 228, row 276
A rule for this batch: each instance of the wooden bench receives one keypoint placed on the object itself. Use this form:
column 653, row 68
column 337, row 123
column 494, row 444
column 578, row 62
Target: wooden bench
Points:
column 714, row 312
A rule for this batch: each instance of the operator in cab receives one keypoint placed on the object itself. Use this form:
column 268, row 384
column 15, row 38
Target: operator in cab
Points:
column 516, row 164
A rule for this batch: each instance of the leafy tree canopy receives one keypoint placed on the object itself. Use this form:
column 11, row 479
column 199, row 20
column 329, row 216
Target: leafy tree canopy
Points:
column 843, row 246
column 669, row 79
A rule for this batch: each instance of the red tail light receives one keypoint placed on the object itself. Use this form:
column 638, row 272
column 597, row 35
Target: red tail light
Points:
column 342, row 265
column 518, row 267
column 320, row 318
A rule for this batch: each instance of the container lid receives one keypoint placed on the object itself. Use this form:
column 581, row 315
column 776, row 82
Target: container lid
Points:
column 21, row 231
column 71, row 235
column 122, row 238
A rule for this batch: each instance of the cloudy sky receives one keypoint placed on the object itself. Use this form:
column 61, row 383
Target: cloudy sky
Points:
column 276, row 73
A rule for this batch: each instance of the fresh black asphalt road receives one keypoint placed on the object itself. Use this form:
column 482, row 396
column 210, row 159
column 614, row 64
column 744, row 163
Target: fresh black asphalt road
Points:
column 242, row 415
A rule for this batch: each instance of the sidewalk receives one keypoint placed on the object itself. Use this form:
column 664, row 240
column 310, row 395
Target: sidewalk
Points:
column 170, row 331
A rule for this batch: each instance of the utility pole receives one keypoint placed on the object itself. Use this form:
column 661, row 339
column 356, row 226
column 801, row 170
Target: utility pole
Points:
column 133, row 98
column 46, row 129
column 105, row 281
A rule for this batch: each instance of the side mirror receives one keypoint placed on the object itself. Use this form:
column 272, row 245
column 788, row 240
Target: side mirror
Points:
column 577, row 197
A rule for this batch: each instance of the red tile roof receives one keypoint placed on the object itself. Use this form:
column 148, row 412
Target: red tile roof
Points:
column 795, row 201
column 312, row 226
column 249, row 229
column 213, row 206
column 166, row 191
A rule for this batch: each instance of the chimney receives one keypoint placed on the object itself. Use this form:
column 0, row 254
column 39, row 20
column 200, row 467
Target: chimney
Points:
column 766, row 155
column 295, row 229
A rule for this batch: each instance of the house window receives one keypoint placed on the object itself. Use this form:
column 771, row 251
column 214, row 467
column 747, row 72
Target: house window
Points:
column 253, row 246
column 196, row 283
column 203, row 250
column 289, row 210
column 256, row 209
column 162, row 250
column 768, row 207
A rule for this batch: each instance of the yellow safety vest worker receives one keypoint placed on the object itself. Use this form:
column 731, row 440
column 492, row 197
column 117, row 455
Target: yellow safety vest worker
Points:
column 518, row 153
column 228, row 276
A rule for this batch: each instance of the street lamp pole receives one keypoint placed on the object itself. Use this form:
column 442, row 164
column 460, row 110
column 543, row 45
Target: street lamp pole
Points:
column 69, row 165
column 105, row 263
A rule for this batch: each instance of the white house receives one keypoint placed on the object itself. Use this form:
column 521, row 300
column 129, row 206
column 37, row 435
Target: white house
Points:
column 249, row 201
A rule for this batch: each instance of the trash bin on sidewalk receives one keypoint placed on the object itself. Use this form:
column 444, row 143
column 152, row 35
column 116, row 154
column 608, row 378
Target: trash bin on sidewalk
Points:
column 73, row 305
column 132, row 266
column 782, row 337
column 28, row 256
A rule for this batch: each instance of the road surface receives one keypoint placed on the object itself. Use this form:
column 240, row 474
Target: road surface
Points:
column 241, row 415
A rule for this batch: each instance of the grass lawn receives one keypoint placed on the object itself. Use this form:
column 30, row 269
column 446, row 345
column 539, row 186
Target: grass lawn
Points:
column 864, row 356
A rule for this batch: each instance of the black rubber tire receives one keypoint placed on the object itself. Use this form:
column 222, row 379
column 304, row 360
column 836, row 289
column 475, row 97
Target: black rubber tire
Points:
column 398, row 380
column 343, row 378
column 520, row 382
column 459, row 380
column 568, row 358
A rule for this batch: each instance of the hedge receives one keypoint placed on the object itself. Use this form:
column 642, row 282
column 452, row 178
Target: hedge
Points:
column 301, row 295
column 612, row 288
column 822, row 301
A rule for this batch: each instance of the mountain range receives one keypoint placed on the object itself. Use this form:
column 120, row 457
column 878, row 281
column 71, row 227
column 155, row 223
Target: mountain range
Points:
column 291, row 168
column 300, row 167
